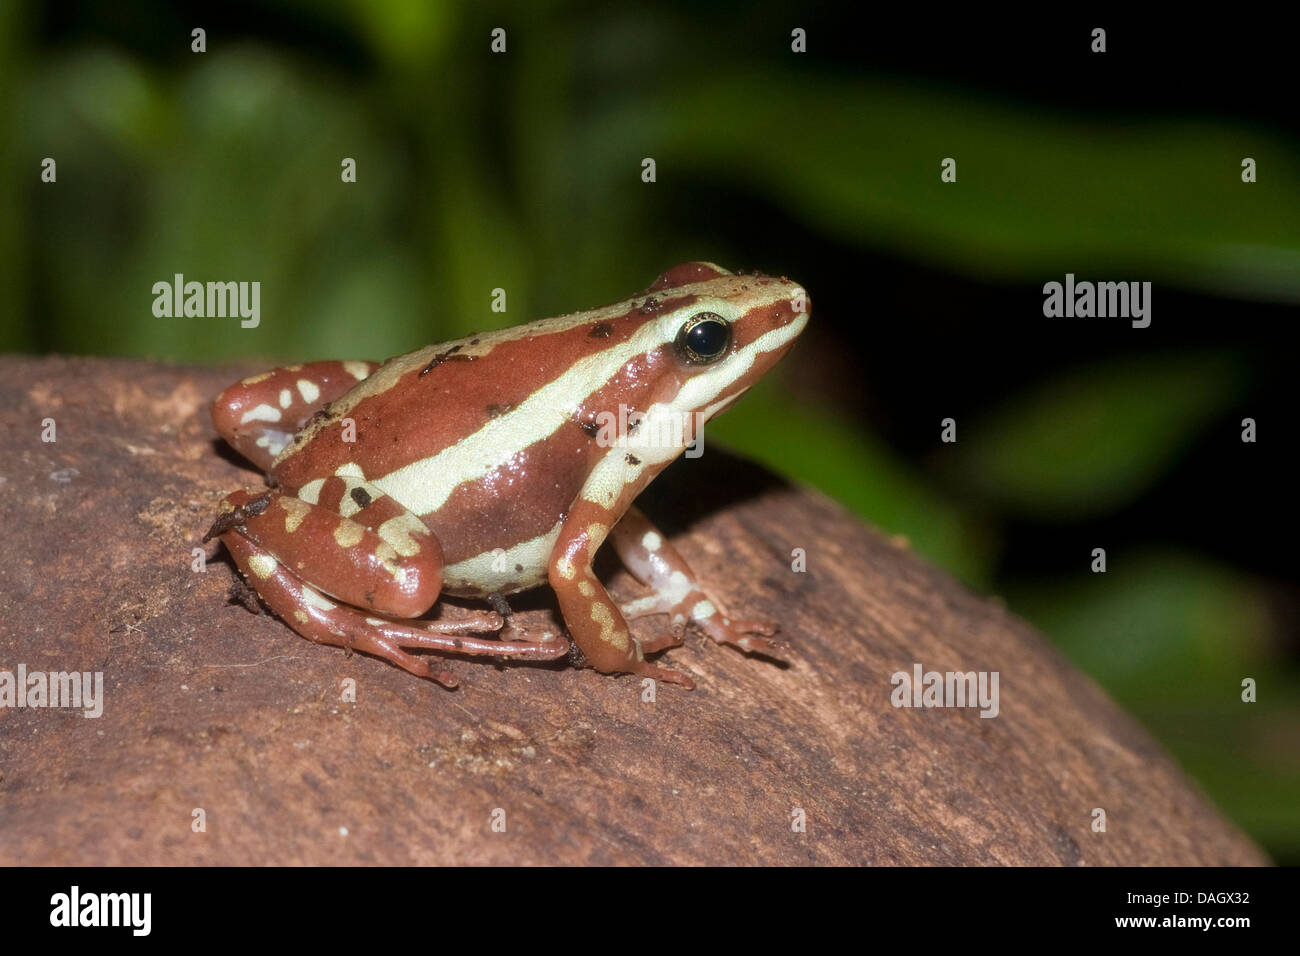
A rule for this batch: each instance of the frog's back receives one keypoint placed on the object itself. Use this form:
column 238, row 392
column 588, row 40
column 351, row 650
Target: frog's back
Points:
column 486, row 437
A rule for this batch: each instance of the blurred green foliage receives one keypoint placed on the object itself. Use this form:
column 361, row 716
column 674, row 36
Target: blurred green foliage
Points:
column 523, row 172
column 1092, row 441
column 1163, row 197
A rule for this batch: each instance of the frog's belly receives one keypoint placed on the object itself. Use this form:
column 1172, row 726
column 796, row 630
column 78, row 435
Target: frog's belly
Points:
column 502, row 570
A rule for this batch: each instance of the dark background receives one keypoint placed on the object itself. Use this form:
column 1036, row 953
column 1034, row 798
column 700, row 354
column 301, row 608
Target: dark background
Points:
column 523, row 171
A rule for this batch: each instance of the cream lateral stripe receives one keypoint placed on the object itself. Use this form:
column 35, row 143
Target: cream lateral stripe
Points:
column 534, row 555
column 425, row 485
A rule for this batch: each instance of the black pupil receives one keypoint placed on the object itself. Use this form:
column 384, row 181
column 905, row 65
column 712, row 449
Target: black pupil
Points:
column 708, row 338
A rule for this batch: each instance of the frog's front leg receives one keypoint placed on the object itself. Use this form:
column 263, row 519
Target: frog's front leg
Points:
column 593, row 619
column 259, row 415
column 677, row 591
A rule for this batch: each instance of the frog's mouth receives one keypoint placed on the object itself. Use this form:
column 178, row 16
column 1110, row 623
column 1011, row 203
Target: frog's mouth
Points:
column 720, row 406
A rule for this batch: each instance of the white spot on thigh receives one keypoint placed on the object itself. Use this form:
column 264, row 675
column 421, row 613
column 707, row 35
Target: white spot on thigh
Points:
column 400, row 533
column 262, row 413
column 703, row 610
column 650, row 604
column 262, row 565
column 348, row 534
column 286, row 398
column 308, row 390
column 387, row 559
column 651, row 541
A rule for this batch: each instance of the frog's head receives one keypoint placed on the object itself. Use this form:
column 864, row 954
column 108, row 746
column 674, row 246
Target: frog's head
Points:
column 722, row 332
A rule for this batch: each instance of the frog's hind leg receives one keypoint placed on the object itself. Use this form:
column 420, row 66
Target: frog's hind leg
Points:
column 319, row 619
column 315, row 616
column 384, row 566
column 260, row 415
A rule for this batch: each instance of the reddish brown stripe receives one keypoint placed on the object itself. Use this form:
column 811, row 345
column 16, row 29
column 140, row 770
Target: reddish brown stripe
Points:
column 510, row 505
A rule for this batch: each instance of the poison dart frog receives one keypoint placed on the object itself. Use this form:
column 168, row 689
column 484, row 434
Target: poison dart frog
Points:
column 497, row 463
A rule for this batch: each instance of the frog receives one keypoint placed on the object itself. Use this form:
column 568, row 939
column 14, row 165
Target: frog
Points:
column 494, row 464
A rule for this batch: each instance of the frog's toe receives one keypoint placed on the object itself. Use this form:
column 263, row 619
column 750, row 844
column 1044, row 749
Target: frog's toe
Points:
column 750, row 636
column 667, row 675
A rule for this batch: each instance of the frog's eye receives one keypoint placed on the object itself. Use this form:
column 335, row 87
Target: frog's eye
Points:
column 704, row 338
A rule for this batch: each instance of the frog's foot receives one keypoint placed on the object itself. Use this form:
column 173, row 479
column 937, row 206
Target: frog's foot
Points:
column 677, row 591
column 750, row 636
column 241, row 508
column 320, row 619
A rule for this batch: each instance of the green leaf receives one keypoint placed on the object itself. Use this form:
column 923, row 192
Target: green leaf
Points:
column 1092, row 441
column 1157, row 627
